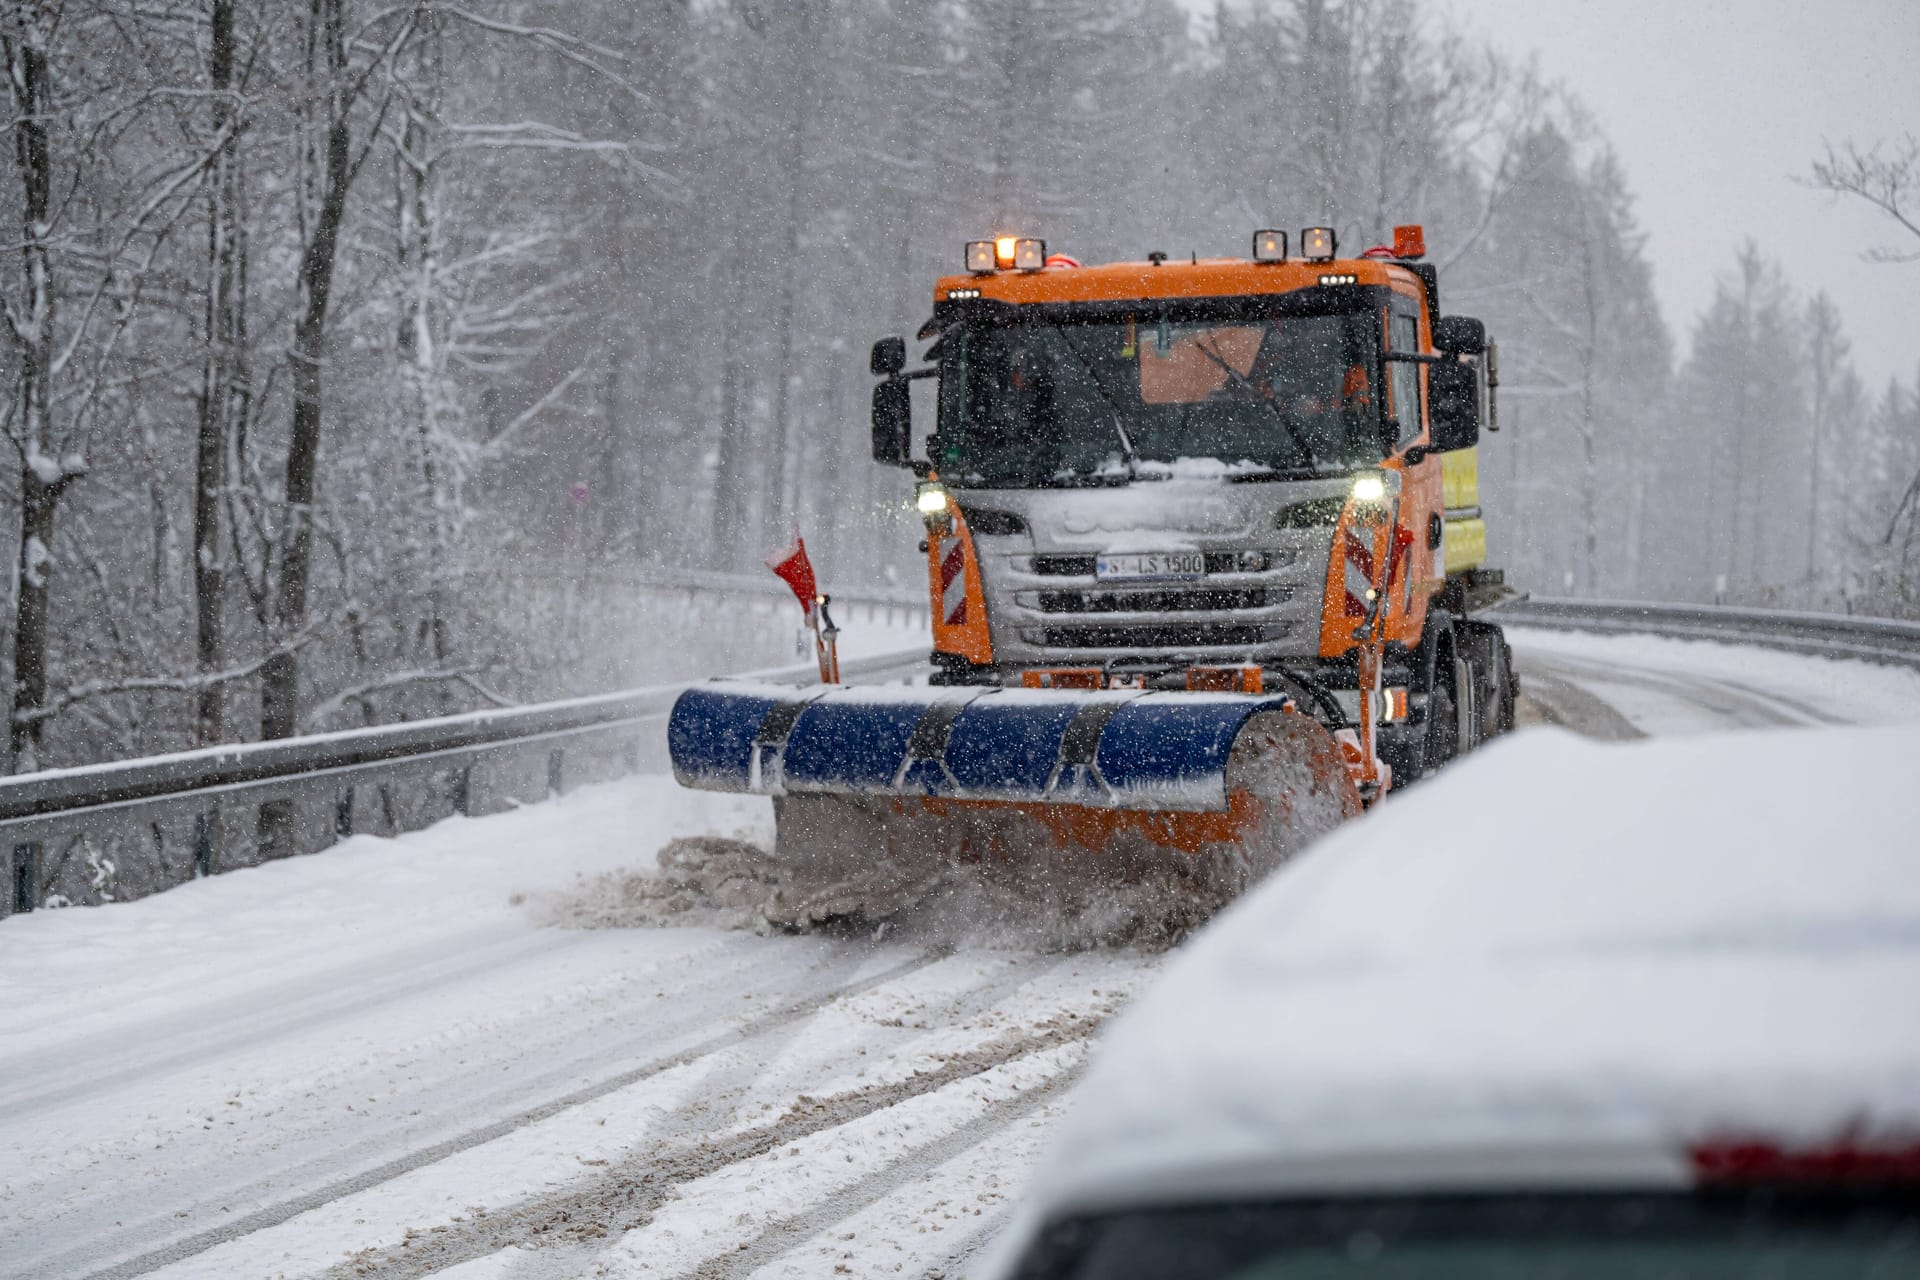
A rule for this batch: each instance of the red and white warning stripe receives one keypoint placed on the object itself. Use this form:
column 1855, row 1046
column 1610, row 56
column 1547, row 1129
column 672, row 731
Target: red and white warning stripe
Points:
column 953, row 582
column 1359, row 565
column 1401, row 562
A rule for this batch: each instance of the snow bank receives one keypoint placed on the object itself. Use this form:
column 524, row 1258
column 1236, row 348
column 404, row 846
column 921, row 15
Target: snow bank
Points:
column 367, row 897
column 1560, row 946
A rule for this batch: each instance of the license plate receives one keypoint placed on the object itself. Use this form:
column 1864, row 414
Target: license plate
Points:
column 1152, row 564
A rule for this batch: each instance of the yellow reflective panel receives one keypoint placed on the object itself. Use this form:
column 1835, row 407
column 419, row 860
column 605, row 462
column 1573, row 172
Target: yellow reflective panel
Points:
column 1460, row 478
column 1466, row 545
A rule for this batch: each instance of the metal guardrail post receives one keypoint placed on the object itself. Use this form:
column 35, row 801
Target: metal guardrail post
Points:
column 630, row 755
column 460, row 791
column 343, row 814
column 273, row 830
column 556, row 762
column 206, row 825
column 26, row 876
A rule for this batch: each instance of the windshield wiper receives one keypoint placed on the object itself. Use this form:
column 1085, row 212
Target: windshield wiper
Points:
column 1274, row 473
column 1242, row 380
column 1113, row 406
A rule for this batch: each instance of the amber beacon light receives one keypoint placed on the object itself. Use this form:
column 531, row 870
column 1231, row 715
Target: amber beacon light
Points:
column 1269, row 246
column 1006, row 253
column 1317, row 244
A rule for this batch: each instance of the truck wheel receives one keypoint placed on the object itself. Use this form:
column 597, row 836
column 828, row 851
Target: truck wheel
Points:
column 1443, row 730
column 1506, row 690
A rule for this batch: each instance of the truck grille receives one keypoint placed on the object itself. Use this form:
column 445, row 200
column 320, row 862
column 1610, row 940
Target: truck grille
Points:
column 1202, row 600
column 1190, row 635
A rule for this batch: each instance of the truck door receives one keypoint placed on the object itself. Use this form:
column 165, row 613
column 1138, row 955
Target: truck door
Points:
column 1421, row 527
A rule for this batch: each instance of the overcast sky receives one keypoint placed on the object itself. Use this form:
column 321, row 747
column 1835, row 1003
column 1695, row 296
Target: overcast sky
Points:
column 1714, row 106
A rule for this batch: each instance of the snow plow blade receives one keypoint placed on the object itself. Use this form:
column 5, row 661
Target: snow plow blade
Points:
column 1231, row 783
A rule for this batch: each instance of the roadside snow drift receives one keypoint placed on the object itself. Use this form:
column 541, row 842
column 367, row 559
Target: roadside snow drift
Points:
column 1563, row 953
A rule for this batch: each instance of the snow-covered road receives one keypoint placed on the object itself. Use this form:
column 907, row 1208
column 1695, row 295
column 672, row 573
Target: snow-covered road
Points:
column 404, row 1057
column 1634, row 686
column 387, row 1052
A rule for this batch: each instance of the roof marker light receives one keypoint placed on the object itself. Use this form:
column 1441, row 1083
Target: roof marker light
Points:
column 1269, row 246
column 980, row 257
column 1003, row 251
column 1410, row 242
column 1029, row 254
column 1318, row 244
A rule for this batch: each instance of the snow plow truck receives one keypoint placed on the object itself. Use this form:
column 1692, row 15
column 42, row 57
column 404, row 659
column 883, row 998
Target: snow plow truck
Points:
column 1204, row 558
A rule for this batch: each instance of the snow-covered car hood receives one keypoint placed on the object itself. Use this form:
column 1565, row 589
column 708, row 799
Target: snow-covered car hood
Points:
column 1565, row 963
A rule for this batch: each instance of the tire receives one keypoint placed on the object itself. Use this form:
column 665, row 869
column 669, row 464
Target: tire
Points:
column 1489, row 675
column 1442, row 741
column 1507, row 690
column 1417, row 758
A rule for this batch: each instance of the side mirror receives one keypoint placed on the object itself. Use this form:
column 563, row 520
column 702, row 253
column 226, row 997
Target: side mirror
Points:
column 1458, row 335
column 892, row 418
column 1453, row 405
column 1388, row 433
column 889, row 357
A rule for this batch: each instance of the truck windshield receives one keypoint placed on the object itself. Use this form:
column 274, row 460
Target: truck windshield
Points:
column 1040, row 398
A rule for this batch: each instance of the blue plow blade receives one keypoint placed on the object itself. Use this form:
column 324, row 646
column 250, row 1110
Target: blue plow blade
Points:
column 1113, row 749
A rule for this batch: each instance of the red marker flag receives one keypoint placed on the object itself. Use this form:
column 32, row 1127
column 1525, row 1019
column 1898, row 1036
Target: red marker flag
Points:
column 794, row 569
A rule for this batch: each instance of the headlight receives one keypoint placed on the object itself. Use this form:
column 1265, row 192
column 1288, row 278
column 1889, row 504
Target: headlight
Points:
column 932, row 500
column 1369, row 488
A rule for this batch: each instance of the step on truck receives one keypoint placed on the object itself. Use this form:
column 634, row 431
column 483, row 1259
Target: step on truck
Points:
column 1205, row 562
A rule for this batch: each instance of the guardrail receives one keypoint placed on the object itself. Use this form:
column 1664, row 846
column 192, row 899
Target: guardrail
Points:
column 210, row 792
column 760, row 584
column 37, row 810
column 1827, row 635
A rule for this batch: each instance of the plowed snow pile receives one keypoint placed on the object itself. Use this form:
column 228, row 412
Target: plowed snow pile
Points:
column 727, row 883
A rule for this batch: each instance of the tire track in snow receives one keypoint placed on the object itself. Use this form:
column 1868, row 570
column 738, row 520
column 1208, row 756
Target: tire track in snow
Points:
column 780, row 1239
column 284, row 1210
column 627, row 1196
column 562, row 1232
column 719, row 1103
column 688, row 1123
column 1562, row 703
column 419, row 1085
column 934, row 1224
column 1730, row 702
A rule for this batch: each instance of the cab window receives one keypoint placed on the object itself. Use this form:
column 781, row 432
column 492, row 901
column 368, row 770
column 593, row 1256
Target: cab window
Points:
column 1403, row 334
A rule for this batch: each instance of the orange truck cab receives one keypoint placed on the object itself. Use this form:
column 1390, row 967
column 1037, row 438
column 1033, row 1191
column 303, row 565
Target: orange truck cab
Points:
column 1242, row 474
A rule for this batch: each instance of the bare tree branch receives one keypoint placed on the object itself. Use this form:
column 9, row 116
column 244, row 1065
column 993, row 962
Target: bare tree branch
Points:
column 1888, row 182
